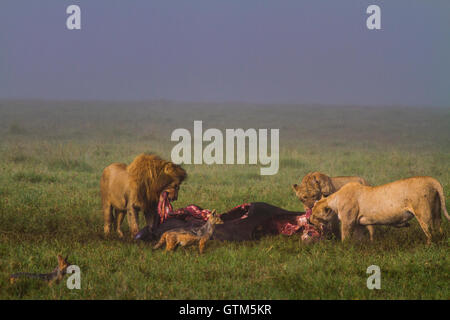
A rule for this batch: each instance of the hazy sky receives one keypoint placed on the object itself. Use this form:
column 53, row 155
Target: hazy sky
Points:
column 312, row 51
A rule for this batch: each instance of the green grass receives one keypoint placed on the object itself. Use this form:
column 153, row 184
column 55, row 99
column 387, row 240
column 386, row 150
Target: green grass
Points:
column 52, row 155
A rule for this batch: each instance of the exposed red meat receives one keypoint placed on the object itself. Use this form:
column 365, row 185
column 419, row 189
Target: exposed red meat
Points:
column 287, row 224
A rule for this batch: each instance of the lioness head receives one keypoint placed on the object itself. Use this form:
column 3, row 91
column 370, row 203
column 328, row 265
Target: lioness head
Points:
column 321, row 214
column 306, row 195
column 312, row 187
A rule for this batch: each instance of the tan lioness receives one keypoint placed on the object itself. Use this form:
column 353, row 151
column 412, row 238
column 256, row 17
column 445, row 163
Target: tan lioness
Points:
column 316, row 185
column 391, row 204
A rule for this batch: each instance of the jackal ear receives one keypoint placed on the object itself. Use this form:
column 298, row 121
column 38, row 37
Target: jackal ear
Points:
column 214, row 213
column 62, row 260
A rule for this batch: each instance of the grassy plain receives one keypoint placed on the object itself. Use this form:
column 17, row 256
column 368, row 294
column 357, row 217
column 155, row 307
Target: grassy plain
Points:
column 52, row 155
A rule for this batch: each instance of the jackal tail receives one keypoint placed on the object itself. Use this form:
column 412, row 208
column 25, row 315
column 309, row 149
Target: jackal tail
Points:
column 15, row 276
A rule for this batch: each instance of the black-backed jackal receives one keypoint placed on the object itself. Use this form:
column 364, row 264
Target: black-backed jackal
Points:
column 188, row 237
column 55, row 276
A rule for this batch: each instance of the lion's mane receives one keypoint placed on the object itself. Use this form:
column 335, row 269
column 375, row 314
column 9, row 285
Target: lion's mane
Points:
column 149, row 175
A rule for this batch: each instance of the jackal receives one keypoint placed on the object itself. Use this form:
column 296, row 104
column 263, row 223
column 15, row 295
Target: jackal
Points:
column 187, row 237
column 55, row 276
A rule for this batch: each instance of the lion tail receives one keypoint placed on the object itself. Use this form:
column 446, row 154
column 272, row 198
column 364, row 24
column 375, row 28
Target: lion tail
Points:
column 440, row 191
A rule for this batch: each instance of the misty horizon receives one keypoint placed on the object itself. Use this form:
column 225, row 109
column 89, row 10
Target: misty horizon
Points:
column 227, row 52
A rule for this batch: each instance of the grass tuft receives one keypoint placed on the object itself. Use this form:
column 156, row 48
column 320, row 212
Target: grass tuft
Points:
column 34, row 177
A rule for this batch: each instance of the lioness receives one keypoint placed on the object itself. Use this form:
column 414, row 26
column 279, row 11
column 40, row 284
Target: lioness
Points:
column 316, row 185
column 137, row 187
column 391, row 204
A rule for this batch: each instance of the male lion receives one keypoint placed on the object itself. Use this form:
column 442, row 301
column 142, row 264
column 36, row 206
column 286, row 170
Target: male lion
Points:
column 391, row 204
column 316, row 185
column 137, row 187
